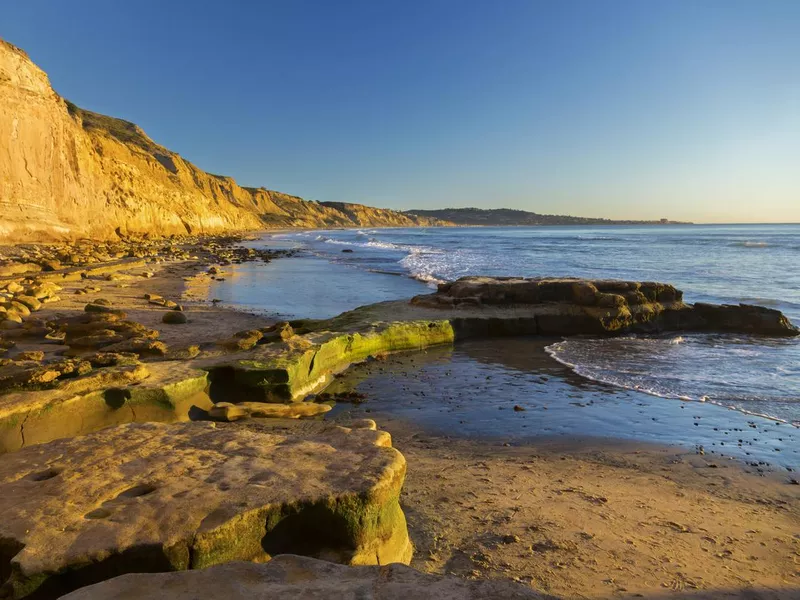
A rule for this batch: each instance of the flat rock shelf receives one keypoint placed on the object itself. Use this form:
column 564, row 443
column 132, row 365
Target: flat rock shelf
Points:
column 296, row 577
column 156, row 497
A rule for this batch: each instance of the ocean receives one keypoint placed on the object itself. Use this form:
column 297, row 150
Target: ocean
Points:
column 757, row 264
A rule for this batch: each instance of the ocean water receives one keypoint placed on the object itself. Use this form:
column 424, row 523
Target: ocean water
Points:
column 756, row 264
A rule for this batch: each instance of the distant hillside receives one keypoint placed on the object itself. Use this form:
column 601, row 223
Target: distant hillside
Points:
column 508, row 217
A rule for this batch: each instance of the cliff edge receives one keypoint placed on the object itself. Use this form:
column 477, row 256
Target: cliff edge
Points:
column 69, row 173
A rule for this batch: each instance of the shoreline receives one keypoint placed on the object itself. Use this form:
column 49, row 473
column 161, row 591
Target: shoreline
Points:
column 576, row 517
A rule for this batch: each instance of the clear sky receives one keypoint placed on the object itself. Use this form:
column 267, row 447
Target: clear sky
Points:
column 621, row 109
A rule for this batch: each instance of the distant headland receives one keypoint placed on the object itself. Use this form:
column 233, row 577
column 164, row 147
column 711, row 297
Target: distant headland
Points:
column 499, row 217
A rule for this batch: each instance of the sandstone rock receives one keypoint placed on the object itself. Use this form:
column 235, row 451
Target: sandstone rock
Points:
column 518, row 290
column 546, row 306
column 243, row 340
column 294, row 410
column 99, row 308
column 20, row 308
column 291, row 577
column 87, row 401
column 280, row 331
column 140, row 346
column 225, row 411
column 10, row 269
column 36, row 355
column 24, row 377
column 185, row 353
column 293, row 369
column 104, row 337
column 153, row 497
column 51, row 265
column 65, row 163
column 112, row 359
column 14, row 287
column 10, row 320
column 174, row 317
column 745, row 318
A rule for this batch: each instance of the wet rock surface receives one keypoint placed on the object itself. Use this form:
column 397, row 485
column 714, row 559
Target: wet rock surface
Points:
column 295, row 577
column 579, row 306
column 154, row 497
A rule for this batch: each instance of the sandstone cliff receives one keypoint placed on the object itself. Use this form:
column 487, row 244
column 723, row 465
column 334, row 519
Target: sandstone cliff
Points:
column 69, row 173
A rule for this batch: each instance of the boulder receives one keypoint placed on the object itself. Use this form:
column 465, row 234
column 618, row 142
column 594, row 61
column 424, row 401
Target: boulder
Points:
column 278, row 332
column 174, row 317
column 21, row 309
column 243, row 340
column 14, row 287
column 112, row 359
column 292, row 577
column 745, row 318
column 140, row 346
column 99, row 308
column 50, row 265
column 152, row 497
column 99, row 339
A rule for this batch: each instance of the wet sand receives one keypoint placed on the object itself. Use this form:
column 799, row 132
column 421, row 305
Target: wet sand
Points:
column 590, row 491
column 599, row 520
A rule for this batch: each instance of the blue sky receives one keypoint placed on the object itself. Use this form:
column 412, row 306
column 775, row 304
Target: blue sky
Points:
column 622, row 109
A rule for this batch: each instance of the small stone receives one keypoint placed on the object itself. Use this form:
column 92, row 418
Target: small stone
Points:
column 36, row 355
column 14, row 288
column 174, row 317
column 519, row 408
column 510, row 539
column 99, row 308
column 20, row 308
column 50, row 265
column 32, row 303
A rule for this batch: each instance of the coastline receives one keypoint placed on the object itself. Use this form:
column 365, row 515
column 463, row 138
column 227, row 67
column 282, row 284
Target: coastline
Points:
column 573, row 517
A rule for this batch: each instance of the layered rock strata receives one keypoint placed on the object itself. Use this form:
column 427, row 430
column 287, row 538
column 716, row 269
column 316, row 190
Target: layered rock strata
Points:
column 69, row 173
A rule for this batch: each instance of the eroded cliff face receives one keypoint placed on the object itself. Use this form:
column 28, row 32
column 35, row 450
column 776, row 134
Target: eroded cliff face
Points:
column 68, row 173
